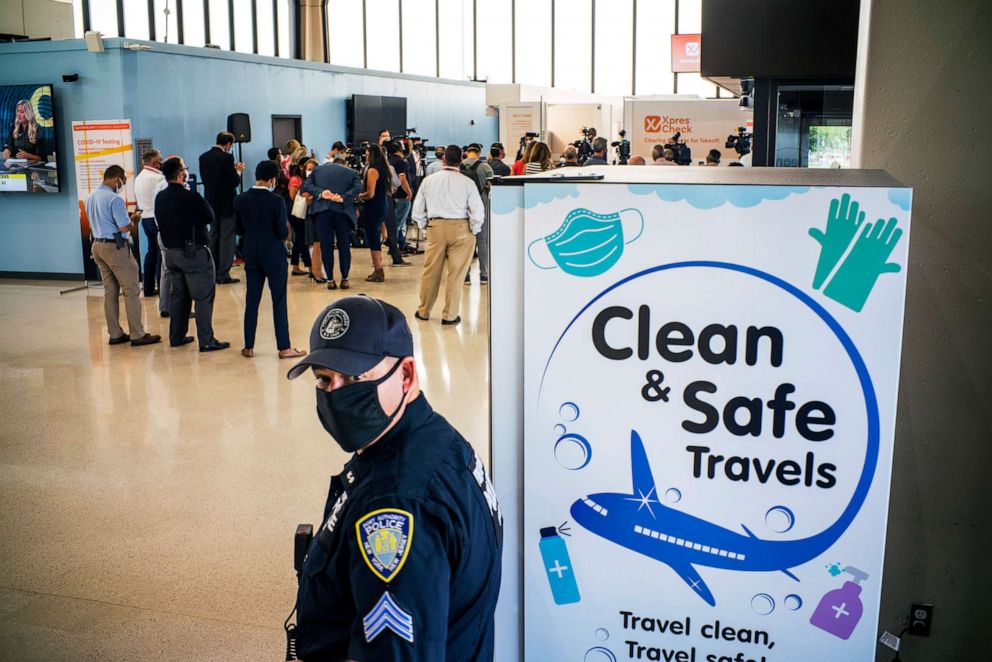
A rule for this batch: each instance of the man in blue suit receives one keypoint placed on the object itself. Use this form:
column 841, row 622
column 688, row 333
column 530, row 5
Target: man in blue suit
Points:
column 334, row 189
column 260, row 216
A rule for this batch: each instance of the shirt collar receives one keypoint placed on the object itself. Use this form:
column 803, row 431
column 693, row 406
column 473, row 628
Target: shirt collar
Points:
column 451, row 168
column 152, row 168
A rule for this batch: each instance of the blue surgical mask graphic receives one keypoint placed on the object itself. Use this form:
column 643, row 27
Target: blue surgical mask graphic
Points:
column 586, row 244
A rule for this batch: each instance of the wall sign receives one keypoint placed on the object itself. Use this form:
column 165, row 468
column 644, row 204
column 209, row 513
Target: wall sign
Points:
column 686, row 52
column 709, row 406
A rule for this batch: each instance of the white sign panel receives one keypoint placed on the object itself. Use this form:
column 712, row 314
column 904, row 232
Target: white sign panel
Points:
column 710, row 394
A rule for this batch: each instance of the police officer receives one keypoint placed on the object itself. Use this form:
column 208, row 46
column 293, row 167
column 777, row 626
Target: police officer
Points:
column 406, row 565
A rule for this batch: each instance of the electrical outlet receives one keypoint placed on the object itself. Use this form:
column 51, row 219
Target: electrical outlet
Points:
column 920, row 619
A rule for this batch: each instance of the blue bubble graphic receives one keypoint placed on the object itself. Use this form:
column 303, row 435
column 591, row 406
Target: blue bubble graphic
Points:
column 673, row 494
column 573, row 451
column 793, row 602
column 763, row 604
column 602, row 634
column 569, row 411
column 780, row 519
column 560, row 430
column 599, row 654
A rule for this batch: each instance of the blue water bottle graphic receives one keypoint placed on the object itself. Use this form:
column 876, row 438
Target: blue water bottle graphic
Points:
column 558, row 567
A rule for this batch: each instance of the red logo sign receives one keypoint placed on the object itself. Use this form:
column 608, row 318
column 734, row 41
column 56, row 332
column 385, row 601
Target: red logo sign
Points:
column 652, row 124
column 686, row 49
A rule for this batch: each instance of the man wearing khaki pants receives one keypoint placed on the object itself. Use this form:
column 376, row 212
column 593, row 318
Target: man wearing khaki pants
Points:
column 449, row 208
column 109, row 224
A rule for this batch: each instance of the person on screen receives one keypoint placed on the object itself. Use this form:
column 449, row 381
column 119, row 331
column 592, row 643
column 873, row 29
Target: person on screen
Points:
column 25, row 140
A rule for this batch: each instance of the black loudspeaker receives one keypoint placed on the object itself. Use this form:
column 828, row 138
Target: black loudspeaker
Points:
column 240, row 126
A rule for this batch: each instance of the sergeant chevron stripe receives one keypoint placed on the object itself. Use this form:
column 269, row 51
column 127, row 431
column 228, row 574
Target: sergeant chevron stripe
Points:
column 388, row 615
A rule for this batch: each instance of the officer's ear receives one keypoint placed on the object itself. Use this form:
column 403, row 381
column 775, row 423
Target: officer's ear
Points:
column 409, row 370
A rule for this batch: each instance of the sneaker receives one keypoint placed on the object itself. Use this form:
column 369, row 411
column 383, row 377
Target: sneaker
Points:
column 484, row 280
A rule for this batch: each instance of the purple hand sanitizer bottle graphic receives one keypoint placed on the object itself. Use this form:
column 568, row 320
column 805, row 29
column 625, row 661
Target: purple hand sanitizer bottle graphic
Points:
column 840, row 610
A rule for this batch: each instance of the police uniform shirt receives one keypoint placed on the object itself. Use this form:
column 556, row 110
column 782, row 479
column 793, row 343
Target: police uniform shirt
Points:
column 406, row 565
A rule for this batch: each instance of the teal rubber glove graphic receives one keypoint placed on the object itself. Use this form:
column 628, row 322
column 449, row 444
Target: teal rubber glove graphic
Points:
column 586, row 244
column 857, row 275
column 842, row 226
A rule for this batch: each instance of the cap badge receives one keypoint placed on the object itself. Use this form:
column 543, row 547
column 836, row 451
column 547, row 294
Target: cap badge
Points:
column 335, row 324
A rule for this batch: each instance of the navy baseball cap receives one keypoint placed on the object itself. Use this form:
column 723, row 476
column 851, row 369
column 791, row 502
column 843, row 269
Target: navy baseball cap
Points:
column 354, row 334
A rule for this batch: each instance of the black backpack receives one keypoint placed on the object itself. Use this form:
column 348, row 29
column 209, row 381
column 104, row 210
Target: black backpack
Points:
column 471, row 173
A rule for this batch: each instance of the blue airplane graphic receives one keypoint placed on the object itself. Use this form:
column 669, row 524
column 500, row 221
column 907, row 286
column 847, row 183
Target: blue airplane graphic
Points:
column 640, row 522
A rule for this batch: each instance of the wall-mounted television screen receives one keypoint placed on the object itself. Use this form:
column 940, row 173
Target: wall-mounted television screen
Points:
column 366, row 115
column 28, row 161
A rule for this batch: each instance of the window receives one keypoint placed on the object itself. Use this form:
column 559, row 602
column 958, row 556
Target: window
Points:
column 494, row 41
column 534, row 42
column 243, row 39
column 285, row 32
column 220, row 34
column 655, row 24
column 265, row 29
column 573, row 45
column 456, row 40
column 193, row 28
column 382, row 21
column 614, row 32
column 136, row 20
column 103, row 17
column 691, row 22
column 419, row 37
column 344, row 29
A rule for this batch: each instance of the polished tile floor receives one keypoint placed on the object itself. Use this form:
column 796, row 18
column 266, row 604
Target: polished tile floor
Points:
column 149, row 495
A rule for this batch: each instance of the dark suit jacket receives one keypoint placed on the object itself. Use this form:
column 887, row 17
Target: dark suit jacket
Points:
column 261, row 219
column 336, row 179
column 219, row 180
column 181, row 215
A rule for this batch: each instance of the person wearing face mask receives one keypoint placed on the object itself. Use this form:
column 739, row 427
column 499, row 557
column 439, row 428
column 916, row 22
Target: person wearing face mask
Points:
column 406, row 564
column 110, row 226
column 183, row 216
column 221, row 176
column 260, row 216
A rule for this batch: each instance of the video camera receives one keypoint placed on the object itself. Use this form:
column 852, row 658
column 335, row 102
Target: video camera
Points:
column 524, row 139
column 354, row 155
column 418, row 145
column 741, row 143
column 683, row 154
column 623, row 148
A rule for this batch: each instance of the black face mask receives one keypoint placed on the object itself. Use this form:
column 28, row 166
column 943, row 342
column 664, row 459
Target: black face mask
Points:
column 353, row 414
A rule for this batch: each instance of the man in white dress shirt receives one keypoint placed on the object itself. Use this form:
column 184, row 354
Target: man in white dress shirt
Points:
column 146, row 186
column 449, row 207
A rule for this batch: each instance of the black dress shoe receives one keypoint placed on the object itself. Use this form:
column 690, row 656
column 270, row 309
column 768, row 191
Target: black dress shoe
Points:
column 416, row 314
column 214, row 345
column 452, row 322
column 185, row 341
column 120, row 340
column 228, row 281
column 163, row 313
column 147, row 339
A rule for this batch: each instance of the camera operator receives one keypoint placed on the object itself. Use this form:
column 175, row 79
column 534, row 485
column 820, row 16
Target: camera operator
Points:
column 571, row 156
column 384, row 136
column 599, row 146
column 437, row 163
column 662, row 156
column 496, row 156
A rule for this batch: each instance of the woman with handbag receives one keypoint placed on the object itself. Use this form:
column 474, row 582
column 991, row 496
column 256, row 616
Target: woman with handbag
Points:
column 316, row 273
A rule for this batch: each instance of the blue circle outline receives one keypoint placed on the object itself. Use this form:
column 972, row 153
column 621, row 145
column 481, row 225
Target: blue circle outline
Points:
column 867, row 387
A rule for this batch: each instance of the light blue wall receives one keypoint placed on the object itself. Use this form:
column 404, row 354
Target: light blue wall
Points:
column 180, row 97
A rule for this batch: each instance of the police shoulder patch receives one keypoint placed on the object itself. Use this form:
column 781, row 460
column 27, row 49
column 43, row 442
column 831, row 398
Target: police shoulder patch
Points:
column 384, row 539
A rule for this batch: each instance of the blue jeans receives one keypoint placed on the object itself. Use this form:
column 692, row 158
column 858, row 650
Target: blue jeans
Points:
column 403, row 207
column 153, row 258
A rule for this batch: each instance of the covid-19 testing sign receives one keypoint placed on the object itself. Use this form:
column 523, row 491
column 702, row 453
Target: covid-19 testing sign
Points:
column 710, row 378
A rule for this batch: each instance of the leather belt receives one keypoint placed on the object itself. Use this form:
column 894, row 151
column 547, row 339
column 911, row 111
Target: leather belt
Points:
column 104, row 241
